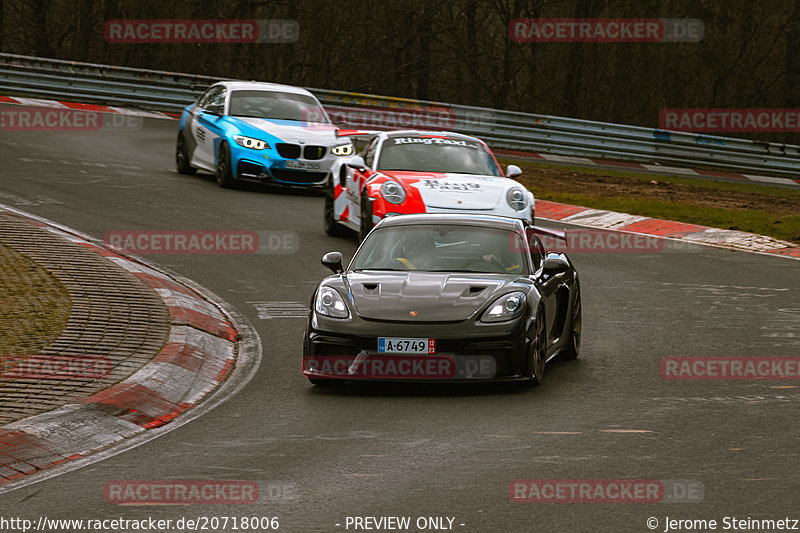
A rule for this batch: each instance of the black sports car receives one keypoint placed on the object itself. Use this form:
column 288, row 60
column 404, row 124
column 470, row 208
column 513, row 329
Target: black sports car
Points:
column 443, row 298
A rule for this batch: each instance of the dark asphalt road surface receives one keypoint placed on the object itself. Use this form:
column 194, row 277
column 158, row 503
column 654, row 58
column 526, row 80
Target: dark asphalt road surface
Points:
column 432, row 451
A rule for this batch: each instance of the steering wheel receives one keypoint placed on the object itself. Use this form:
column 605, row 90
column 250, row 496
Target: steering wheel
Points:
column 493, row 266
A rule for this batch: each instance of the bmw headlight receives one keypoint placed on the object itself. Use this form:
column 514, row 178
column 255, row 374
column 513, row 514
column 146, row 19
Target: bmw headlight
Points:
column 393, row 192
column 249, row 142
column 517, row 198
column 505, row 308
column 343, row 149
column 330, row 303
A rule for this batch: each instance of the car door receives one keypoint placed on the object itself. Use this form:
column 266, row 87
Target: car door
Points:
column 355, row 180
column 206, row 128
column 190, row 126
column 549, row 285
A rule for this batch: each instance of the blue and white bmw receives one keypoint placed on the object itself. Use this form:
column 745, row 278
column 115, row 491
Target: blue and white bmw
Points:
column 261, row 132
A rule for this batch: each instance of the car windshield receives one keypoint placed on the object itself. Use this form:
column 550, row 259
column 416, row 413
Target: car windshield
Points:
column 276, row 105
column 443, row 248
column 437, row 154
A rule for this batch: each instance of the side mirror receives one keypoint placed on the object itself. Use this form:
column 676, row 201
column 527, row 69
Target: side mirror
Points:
column 512, row 171
column 215, row 109
column 357, row 162
column 333, row 260
column 555, row 264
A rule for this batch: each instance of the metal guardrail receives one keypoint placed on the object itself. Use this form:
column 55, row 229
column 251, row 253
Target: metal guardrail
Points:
column 509, row 130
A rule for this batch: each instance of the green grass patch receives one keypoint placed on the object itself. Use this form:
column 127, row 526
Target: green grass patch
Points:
column 529, row 167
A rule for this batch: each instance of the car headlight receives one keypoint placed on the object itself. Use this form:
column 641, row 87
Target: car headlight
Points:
column 517, row 198
column 330, row 303
column 393, row 192
column 343, row 149
column 505, row 308
column 249, row 142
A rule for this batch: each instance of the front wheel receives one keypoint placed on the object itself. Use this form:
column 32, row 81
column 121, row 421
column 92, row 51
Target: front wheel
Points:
column 365, row 225
column 182, row 157
column 332, row 228
column 224, row 167
column 537, row 352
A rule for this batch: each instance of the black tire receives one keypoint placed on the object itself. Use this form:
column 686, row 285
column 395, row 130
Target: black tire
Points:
column 537, row 352
column 182, row 157
column 225, row 168
column 365, row 224
column 574, row 347
column 332, row 228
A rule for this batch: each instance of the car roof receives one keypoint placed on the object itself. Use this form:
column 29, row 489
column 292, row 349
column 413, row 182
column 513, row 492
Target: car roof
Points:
column 448, row 134
column 489, row 221
column 262, row 86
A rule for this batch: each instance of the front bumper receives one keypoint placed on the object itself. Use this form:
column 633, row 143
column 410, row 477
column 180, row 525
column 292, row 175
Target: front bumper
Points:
column 382, row 209
column 465, row 352
column 504, row 211
column 277, row 173
column 266, row 166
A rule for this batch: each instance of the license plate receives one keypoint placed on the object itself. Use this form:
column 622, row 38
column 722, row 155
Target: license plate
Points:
column 302, row 165
column 406, row 345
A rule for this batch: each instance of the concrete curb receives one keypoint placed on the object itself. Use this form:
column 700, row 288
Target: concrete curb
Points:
column 198, row 356
column 690, row 233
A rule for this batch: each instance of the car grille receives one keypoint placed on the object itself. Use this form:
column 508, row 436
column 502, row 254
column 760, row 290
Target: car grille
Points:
column 297, row 176
column 314, row 152
column 289, row 151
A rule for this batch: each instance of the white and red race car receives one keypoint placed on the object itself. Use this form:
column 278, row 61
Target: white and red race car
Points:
column 407, row 172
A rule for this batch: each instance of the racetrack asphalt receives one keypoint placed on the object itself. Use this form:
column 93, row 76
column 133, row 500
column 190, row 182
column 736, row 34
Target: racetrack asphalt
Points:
column 412, row 450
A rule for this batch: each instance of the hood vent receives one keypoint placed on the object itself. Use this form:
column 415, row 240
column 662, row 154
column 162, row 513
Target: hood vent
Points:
column 473, row 291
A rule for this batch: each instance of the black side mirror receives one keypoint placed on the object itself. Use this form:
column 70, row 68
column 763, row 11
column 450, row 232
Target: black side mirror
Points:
column 215, row 109
column 555, row 264
column 333, row 260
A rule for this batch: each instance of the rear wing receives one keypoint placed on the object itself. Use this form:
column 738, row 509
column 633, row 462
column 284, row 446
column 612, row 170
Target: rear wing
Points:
column 556, row 233
column 355, row 133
